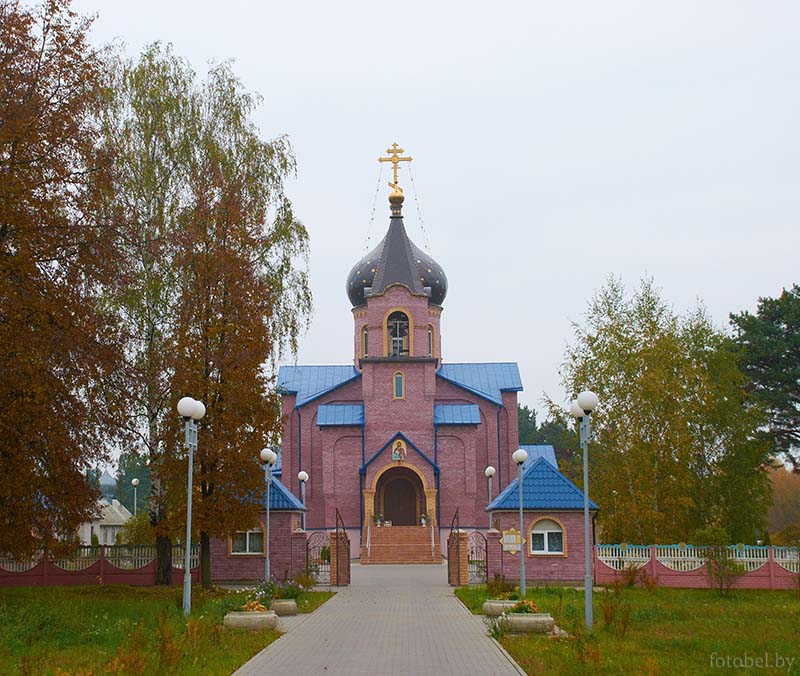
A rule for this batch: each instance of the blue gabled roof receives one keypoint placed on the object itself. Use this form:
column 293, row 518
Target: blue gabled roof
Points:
column 543, row 487
column 311, row 382
column 281, row 498
column 329, row 415
column 486, row 380
column 536, row 451
column 456, row 414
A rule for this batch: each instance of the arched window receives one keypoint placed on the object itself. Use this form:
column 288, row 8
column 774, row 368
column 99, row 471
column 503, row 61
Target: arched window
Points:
column 398, row 385
column 430, row 341
column 365, row 341
column 397, row 327
column 547, row 537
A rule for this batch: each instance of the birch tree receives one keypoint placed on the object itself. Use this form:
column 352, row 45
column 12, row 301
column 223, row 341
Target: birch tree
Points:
column 675, row 444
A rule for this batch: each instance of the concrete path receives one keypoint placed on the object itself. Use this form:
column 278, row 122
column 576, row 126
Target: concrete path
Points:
column 392, row 621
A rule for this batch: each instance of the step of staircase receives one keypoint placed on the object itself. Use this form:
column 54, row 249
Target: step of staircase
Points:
column 401, row 544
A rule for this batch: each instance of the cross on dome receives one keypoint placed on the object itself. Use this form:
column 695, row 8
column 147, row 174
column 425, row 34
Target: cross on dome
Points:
column 394, row 157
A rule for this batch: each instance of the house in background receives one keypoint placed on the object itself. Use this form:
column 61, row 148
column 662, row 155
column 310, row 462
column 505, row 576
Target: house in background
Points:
column 113, row 515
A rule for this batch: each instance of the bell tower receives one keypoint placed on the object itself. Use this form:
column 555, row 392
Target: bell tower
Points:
column 396, row 291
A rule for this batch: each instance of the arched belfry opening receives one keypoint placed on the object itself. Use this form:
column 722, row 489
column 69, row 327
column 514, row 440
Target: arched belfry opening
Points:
column 397, row 326
column 400, row 497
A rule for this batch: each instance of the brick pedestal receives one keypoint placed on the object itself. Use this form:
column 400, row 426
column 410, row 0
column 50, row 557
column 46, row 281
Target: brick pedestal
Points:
column 340, row 559
column 457, row 559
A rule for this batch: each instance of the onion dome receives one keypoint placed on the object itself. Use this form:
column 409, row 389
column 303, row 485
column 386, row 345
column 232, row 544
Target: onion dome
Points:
column 396, row 260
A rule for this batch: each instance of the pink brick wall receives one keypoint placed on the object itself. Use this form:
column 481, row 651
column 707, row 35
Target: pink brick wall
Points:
column 287, row 553
column 768, row 576
column 567, row 569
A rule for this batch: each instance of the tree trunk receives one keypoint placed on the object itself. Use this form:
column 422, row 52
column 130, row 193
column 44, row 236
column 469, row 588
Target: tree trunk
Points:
column 163, row 560
column 205, row 560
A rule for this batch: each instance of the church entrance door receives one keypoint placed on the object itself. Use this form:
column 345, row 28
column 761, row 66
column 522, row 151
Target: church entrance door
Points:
column 400, row 497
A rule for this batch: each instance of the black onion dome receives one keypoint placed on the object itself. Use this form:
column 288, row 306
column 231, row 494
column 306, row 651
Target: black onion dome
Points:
column 396, row 260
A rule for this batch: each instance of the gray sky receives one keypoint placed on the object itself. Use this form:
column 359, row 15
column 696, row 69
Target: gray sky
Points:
column 554, row 143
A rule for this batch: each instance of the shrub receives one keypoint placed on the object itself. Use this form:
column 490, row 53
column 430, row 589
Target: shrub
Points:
column 723, row 569
column 648, row 582
column 305, row 581
column 498, row 586
column 325, row 554
column 629, row 575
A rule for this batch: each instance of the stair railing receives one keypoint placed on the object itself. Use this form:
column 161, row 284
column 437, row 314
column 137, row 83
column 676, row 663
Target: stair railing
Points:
column 369, row 540
column 433, row 545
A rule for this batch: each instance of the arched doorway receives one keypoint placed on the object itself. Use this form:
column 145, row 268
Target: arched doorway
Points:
column 400, row 497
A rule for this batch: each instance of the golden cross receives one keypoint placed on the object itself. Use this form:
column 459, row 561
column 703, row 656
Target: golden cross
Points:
column 394, row 157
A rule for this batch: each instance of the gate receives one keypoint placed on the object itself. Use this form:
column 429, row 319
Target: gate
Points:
column 318, row 556
column 453, row 551
column 476, row 558
column 342, row 553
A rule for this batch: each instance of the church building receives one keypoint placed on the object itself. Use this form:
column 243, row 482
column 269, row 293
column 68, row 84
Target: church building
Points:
column 400, row 437
column 396, row 447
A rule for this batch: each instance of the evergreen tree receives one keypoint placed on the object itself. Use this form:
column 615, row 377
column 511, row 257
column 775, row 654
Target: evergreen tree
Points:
column 770, row 340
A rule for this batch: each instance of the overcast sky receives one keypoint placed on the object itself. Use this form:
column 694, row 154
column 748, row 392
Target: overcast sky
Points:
column 554, row 143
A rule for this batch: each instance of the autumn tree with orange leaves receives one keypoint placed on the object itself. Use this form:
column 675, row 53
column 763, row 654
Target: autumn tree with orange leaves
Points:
column 217, row 290
column 56, row 343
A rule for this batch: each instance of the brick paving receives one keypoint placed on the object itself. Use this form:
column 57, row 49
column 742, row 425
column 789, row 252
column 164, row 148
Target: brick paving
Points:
column 392, row 621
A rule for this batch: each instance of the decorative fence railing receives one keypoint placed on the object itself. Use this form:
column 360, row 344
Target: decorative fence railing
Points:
column 684, row 565
column 118, row 564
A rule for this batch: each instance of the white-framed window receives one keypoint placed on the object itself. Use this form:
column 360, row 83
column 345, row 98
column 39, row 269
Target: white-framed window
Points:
column 430, row 341
column 547, row 537
column 365, row 341
column 398, row 385
column 247, row 542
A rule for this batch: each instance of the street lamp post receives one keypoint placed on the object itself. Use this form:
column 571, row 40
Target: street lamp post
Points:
column 135, row 484
column 269, row 458
column 191, row 411
column 302, row 477
column 489, row 472
column 520, row 456
column 582, row 408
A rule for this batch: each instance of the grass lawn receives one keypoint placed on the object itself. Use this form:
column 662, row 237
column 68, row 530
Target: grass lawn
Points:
column 664, row 631
column 125, row 631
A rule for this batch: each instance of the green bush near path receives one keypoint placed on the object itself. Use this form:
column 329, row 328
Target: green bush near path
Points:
column 660, row 632
column 125, row 631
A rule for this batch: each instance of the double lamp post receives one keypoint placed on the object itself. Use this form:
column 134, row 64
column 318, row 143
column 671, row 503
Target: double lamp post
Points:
column 582, row 408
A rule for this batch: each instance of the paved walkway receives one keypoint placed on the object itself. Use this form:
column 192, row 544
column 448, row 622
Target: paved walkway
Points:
column 392, row 621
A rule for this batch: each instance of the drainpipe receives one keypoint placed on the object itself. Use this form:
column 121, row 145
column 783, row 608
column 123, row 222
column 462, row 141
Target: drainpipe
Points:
column 499, row 458
column 300, row 446
column 360, row 510
column 361, row 492
column 439, row 511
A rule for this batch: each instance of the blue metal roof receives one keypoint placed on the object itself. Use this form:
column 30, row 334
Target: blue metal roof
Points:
column 543, row 487
column 329, row 415
column 456, row 414
column 311, row 382
column 536, row 451
column 281, row 498
column 486, row 380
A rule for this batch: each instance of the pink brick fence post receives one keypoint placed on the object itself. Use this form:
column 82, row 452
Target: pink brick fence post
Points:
column 340, row 554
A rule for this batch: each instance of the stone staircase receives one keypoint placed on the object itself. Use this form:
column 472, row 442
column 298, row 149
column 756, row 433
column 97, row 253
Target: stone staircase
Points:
column 401, row 544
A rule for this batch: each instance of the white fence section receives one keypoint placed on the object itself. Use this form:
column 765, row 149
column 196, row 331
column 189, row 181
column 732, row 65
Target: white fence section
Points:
column 751, row 557
column 179, row 556
column 131, row 557
column 622, row 557
column 682, row 558
column 686, row 558
column 83, row 557
column 14, row 566
column 787, row 558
